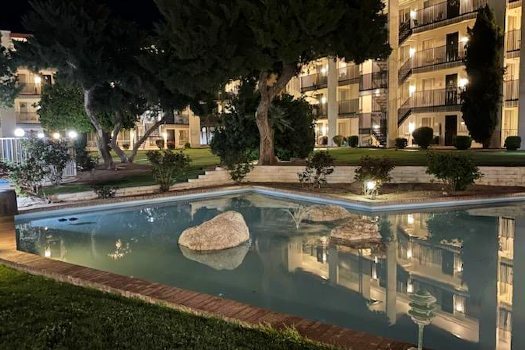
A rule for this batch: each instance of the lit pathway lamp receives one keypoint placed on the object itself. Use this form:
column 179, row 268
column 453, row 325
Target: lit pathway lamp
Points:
column 422, row 305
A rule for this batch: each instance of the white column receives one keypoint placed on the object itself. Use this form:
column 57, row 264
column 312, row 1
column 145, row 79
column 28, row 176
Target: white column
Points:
column 521, row 110
column 333, row 109
column 393, row 66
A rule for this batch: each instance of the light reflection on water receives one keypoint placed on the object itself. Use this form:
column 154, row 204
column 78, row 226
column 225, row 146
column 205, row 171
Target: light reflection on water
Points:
column 466, row 259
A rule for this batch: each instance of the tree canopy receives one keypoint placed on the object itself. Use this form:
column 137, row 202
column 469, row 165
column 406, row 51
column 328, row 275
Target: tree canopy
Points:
column 481, row 99
column 9, row 87
column 272, row 38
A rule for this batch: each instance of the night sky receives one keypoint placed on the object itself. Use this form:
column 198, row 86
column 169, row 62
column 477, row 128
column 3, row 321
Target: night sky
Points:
column 144, row 12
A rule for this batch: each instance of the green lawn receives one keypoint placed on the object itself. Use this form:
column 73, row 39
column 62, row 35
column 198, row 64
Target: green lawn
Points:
column 200, row 157
column 351, row 156
column 37, row 313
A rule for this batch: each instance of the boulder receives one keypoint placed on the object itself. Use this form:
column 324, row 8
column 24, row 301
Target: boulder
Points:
column 326, row 213
column 226, row 259
column 226, row 230
column 356, row 230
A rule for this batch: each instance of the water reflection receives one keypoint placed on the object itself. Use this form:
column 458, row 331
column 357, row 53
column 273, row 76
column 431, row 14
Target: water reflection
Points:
column 465, row 259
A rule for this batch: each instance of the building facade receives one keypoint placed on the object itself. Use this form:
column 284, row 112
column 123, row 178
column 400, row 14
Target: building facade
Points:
column 23, row 120
column 420, row 83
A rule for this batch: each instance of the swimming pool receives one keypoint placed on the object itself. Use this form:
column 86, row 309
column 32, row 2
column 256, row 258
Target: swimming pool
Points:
column 464, row 258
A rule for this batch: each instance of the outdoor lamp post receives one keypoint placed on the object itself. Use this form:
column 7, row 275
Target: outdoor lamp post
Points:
column 422, row 305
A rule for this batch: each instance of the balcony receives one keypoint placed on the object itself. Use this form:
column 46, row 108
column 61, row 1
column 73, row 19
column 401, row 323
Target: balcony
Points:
column 373, row 81
column 27, row 117
column 349, row 107
column 313, row 82
column 511, row 92
column 444, row 13
column 348, row 75
column 439, row 100
column 513, row 43
column 30, row 89
column 430, row 59
column 320, row 111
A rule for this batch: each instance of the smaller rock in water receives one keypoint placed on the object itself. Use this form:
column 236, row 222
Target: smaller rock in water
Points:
column 226, row 230
column 357, row 230
column 326, row 213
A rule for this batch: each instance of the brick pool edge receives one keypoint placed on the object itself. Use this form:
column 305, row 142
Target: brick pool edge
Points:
column 180, row 299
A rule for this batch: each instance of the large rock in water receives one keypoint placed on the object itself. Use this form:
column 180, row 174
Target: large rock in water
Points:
column 357, row 230
column 326, row 213
column 226, row 259
column 226, row 230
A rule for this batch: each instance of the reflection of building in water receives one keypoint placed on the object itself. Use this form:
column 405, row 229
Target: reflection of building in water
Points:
column 410, row 261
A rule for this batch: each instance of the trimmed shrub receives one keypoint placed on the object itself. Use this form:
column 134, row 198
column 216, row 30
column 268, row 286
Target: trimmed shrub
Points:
column 160, row 144
column 401, row 143
column 374, row 169
column 423, row 136
column 170, row 145
column 338, row 140
column 239, row 165
column 462, row 142
column 353, row 141
column 125, row 146
column 187, row 145
column 323, row 140
column 456, row 170
column 167, row 166
column 105, row 191
column 318, row 167
column 512, row 143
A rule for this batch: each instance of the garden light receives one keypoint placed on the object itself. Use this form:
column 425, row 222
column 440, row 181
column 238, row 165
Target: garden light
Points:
column 40, row 135
column 371, row 185
column 56, row 136
column 19, row 132
column 72, row 134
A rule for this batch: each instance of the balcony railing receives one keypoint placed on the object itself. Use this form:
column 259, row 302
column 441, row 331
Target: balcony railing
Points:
column 349, row 106
column 511, row 90
column 432, row 57
column 434, row 98
column 348, row 73
column 372, row 81
column 513, row 40
column 446, row 10
column 31, row 89
column 313, row 81
column 320, row 110
column 27, row 117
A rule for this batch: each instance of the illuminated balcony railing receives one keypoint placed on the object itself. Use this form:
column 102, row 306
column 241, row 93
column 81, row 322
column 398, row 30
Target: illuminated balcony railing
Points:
column 444, row 55
column 430, row 100
column 27, row 117
column 373, row 81
column 511, row 90
column 349, row 73
column 349, row 106
column 446, row 10
column 513, row 40
column 320, row 110
column 313, row 81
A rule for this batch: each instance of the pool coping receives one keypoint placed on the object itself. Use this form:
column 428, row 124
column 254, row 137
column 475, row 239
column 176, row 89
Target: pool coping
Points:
column 313, row 197
column 183, row 300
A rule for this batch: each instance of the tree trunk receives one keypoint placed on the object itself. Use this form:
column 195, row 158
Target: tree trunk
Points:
column 114, row 145
column 148, row 132
column 268, row 93
column 102, row 137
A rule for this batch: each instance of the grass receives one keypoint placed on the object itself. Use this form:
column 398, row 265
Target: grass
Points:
column 351, row 156
column 37, row 313
column 200, row 157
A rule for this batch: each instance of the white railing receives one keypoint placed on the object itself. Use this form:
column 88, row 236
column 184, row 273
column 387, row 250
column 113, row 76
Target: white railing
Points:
column 11, row 151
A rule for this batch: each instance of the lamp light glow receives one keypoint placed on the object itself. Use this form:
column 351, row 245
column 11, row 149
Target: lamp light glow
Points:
column 40, row 135
column 56, row 136
column 19, row 132
column 72, row 134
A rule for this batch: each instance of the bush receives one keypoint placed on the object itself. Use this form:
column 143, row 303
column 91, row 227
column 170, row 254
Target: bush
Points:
column 167, row 166
column 125, row 146
column 83, row 160
column 323, row 140
column 160, row 144
column 374, row 169
column 353, row 141
column 170, row 145
column 462, row 142
column 456, row 170
column 401, row 143
column 51, row 155
column 338, row 140
column 435, row 140
column 423, row 136
column 27, row 176
column 512, row 143
column 187, row 145
column 105, row 191
column 318, row 167
column 239, row 165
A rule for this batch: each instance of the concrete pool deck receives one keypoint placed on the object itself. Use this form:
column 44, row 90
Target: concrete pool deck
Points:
column 180, row 299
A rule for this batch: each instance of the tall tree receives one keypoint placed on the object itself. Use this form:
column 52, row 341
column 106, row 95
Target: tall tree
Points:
column 219, row 40
column 85, row 44
column 9, row 87
column 481, row 99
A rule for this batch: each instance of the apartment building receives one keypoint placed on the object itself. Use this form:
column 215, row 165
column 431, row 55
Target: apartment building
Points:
column 22, row 119
column 420, row 83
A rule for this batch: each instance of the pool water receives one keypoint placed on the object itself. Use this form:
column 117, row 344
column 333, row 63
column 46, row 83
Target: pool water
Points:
column 464, row 258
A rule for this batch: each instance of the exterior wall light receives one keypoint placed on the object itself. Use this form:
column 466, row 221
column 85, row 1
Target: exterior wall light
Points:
column 72, row 134
column 413, row 14
column 412, row 52
column 38, row 79
column 463, row 82
column 19, row 132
